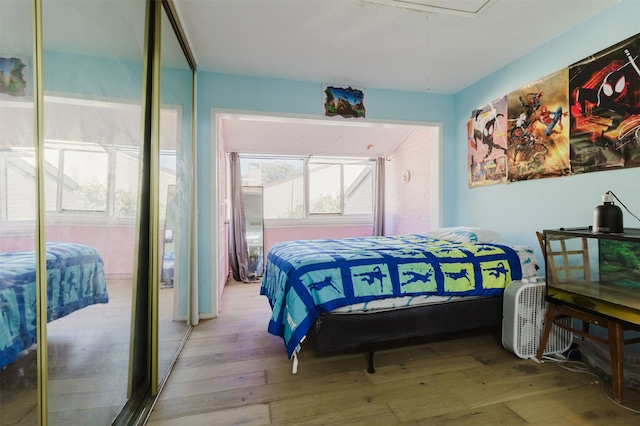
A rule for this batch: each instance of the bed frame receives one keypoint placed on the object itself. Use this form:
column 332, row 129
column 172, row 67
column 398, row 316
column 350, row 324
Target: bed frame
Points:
column 351, row 331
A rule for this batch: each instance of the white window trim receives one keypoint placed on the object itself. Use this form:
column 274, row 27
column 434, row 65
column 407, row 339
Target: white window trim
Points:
column 320, row 221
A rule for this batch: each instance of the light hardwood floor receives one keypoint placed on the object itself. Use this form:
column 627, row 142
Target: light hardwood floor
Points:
column 232, row 372
column 88, row 355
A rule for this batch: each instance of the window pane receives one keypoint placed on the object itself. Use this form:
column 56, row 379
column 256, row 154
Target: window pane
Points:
column 358, row 189
column 325, row 188
column 126, row 183
column 167, row 183
column 51, row 165
column 84, row 184
column 20, row 185
column 282, row 180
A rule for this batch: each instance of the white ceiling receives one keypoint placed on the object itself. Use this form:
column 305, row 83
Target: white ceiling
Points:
column 375, row 43
column 437, row 46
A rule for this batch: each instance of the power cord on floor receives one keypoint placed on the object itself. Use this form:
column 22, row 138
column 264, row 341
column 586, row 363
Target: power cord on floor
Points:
column 580, row 367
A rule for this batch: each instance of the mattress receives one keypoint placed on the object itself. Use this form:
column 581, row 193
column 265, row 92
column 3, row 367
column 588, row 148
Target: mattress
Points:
column 528, row 263
column 308, row 277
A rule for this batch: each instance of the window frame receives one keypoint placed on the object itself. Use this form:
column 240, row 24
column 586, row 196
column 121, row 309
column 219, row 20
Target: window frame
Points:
column 319, row 219
column 62, row 215
column 62, row 150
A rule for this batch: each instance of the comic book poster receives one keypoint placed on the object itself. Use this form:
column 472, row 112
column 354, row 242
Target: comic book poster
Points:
column 605, row 109
column 539, row 129
column 487, row 134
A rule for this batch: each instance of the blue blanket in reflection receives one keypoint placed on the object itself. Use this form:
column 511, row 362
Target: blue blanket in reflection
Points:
column 75, row 279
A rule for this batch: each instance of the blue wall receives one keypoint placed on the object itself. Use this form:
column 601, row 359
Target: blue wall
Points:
column 519, row 209
column 232, row 92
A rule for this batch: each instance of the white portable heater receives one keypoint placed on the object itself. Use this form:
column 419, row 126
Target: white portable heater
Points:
column 524, row 310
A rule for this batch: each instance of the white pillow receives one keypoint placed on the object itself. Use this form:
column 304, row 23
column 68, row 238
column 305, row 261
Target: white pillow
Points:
column 528, row 261
column 465, row 234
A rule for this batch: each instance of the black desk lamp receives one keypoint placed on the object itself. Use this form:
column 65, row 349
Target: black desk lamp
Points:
column 607, row 218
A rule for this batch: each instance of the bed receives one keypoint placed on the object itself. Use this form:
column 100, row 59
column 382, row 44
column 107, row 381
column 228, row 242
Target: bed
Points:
column 358, row 292
column 75, row 280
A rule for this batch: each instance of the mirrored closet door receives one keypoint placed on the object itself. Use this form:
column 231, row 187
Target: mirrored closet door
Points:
column 93, row 64
column 175, row 179
column 18, row 212
column 94, row 243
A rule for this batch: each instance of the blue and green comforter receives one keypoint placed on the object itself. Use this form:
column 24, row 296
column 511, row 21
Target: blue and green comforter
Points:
column 75, row 279
column 305, row 278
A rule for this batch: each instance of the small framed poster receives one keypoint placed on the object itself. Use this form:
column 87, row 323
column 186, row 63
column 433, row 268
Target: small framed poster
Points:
column 347, row 102
column 13, row 75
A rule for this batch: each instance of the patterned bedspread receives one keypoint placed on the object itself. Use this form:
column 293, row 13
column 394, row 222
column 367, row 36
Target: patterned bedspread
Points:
column 305, row 278
column 75, row 279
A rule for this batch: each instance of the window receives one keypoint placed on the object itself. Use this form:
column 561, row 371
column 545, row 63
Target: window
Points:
column 126, row 183
column 341, row 187
column 282, row 182
column 76, row 177
column 88, row 169
column 298, row 188
column 325, row 188
column 18, row 199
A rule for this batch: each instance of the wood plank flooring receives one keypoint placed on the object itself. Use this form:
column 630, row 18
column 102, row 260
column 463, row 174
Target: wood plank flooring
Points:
column 232, row 372
column 88, row 355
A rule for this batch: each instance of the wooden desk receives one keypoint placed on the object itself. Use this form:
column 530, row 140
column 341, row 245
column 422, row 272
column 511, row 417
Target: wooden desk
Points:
column 615, row 339
column 595, row 278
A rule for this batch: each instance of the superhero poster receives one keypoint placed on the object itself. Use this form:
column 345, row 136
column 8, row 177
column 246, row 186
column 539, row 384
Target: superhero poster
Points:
column 487, row 134
column 539, row 129
column 605, row 109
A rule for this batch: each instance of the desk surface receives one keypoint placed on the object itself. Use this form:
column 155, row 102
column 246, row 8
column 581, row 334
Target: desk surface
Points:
column 600, row 305
column 629, row 234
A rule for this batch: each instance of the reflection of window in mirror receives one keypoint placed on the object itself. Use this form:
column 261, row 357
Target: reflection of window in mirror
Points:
column 94, row 172
column 170, row 225
column 253, row 215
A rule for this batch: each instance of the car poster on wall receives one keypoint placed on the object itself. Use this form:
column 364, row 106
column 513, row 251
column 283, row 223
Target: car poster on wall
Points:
column 487, row 134
column 539, row 129
column 605, row 109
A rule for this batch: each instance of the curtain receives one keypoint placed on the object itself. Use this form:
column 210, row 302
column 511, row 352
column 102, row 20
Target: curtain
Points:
column 238, row 251
column 378, row 211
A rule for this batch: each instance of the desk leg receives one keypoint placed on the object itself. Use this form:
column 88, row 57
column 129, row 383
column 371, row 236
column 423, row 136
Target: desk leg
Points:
column 548, row 323
column 616, row 350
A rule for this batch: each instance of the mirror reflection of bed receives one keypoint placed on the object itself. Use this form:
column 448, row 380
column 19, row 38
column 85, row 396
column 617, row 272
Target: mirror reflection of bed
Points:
column 87, row 329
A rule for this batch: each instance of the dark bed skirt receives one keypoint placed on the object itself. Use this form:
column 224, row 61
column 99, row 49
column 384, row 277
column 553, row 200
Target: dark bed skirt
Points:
column 342, row 332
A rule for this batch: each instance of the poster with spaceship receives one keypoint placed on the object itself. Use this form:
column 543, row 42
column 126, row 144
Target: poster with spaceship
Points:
column 487, row 135
column 539, row 129
column 605, row 109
